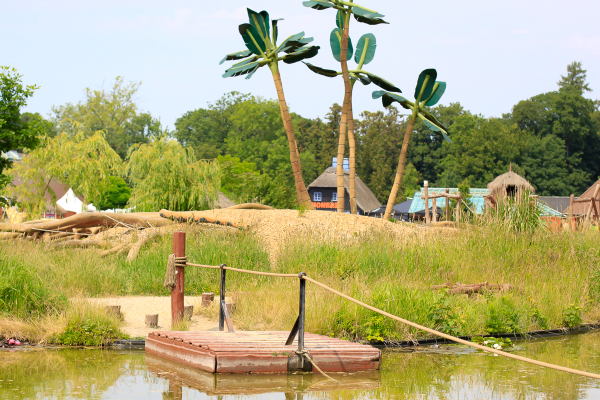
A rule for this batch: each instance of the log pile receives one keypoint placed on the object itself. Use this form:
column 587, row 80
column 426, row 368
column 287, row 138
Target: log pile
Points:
column 471, row 289
column 113, row 232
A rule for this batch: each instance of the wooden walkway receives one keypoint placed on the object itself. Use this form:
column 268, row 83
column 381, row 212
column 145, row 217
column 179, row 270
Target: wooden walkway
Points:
column 260, row 352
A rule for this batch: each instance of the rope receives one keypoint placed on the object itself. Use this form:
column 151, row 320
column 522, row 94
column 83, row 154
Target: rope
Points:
column 180, row 261
column 170, row 279
column 452, row 338
column 305, row 354
column 404, row 321
column 246, row 271
column 263, row 273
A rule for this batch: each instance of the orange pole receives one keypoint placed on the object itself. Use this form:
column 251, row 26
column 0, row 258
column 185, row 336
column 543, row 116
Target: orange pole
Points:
column 177, row 293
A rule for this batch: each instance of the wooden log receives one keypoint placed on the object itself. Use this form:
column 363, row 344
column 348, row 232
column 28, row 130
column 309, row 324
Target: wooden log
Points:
column 177, row 293
column 90, row 220
column 76, row 231
column 143, row 238
column 78, row 243
column 231, row 307
column 188, row 311
column 197, row 216
column 458, row 211
column 426, row 194
column 249, row 206
column 115, row 249
column 447, row 205
column 114, row 311
column 434, row 209
column 152, row 320
column 446, row 195
column 570, row 224
column 592, row 204
column 207, row 299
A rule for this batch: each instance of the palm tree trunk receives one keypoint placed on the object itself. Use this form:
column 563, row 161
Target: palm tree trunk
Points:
column 341, row 204
column 400, row 169
column 302, row 193
column 352, row 160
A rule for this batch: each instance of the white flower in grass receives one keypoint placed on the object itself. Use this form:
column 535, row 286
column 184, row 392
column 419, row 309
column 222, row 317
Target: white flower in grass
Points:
column 497, row 346
column 485, row 342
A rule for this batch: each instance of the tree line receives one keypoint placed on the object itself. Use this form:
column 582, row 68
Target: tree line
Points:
column 552, row 139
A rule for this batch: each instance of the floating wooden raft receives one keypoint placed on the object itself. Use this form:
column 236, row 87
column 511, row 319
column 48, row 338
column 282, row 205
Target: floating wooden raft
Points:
column 259, row 352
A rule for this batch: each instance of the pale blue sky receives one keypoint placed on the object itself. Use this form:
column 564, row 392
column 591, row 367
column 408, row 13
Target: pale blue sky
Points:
column 492, row 54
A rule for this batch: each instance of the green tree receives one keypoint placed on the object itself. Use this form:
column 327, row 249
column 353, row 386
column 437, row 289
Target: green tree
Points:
column 83, row 163
column 16, row 133
column 113, row 112
column 481, row 150
column 544, row 165
column 425, row 150
column 575, row 79
column 205, row 130
column 570, row 117
column 115, row 195
column 380, row 148
column 240, row 180
column 166, row 175
column 46, row 127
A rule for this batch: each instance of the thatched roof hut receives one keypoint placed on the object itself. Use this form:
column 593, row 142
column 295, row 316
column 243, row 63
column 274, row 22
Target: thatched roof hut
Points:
column 509, row 184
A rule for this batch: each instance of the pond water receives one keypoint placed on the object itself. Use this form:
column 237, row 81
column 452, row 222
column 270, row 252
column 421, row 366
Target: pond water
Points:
column 446, row 372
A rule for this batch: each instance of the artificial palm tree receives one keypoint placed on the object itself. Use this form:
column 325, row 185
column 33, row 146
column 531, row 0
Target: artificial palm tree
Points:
column 260, row 37
column 365, row 52
column 340, row 44
column 427, row 93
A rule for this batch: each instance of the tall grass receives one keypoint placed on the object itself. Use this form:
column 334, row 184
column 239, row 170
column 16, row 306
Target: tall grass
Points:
column 552, row 275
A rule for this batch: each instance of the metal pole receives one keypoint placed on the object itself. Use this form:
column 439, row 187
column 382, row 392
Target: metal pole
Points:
column 222, row 298
column 177, row 293
column 301, row 313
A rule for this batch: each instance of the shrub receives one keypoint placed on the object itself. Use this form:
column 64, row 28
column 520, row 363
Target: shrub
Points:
column 89, row 326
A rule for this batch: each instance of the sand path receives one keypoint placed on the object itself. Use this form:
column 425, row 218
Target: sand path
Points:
column 135, row 308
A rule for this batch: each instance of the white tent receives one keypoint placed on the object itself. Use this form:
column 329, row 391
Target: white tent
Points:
column 70, row 202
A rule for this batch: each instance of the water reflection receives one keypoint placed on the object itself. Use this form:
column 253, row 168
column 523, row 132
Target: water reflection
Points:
column 230, row 384
column 444, row 373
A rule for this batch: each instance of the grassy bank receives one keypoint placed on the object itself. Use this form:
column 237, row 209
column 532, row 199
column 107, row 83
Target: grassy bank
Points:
column 556, row 279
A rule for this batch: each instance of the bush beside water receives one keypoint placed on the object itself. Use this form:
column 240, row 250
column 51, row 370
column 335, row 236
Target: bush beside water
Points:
column 556, row 278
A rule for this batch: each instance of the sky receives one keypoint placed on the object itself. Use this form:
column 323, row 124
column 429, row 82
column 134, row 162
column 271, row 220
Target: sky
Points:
column 491, row 54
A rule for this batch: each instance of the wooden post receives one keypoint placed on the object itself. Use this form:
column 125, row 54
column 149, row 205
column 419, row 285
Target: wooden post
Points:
column 434, row 208
column 570, row 224
column 592, row 206
column 458, row 210
column 447, row 206
column 114, row 311
column 177, row 293
column 151, row 320
column 188, row 312
column 426, row 195
column 207, row 299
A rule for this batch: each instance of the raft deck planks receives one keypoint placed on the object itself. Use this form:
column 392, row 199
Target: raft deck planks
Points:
column 258, row 352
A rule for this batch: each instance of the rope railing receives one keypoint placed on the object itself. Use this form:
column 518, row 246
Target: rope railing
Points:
column 299, row 326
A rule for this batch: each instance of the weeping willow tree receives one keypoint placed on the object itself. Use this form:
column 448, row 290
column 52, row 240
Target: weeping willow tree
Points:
column 82, row 162
column 341, row 46
column 427, row 93
column 166, row 175
column 260, row 37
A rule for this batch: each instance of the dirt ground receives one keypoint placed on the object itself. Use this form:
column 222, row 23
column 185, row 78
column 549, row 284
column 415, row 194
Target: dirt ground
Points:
column 135, row 308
